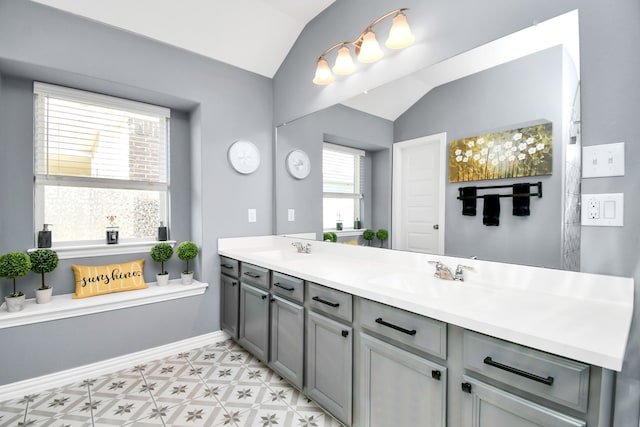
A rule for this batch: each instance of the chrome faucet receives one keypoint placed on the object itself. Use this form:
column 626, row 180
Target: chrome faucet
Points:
column 443, row 272
column 302, row 249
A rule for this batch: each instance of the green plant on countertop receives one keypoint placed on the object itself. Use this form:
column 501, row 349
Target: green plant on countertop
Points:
column 161, row 252
column 382, row 235
column 186, row 252
column 330, row 236
column 43, row 261
column 12, row 266
column 368, row 235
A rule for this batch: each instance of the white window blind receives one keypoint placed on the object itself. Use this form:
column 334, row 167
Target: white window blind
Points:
column 109, row 155
column 342, row 181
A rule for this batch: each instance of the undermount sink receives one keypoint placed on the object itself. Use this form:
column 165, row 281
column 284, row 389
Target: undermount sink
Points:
column 280, row 255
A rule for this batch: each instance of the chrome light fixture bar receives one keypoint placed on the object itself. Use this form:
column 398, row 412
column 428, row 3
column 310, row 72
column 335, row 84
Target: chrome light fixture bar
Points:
column 366, row 46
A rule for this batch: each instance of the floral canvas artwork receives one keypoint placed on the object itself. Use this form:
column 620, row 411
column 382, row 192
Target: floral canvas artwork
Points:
column 525, row 151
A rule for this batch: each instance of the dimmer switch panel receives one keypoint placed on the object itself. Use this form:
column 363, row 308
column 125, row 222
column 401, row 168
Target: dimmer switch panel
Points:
column 604, row 210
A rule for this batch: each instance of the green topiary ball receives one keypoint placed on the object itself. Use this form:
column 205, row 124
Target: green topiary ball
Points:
column 43, row 260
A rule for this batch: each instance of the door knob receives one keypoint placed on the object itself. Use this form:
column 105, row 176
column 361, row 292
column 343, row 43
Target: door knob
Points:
column 436, row 227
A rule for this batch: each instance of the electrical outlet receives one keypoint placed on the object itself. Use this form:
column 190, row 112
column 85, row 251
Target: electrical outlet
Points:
column 291, row 215
column 603, row 210
column 252, row 215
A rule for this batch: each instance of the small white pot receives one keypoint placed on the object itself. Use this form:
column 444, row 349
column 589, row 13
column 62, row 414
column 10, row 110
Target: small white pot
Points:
column 162, row 279
column 43, row 296
column 187, row 278
column 15, row 303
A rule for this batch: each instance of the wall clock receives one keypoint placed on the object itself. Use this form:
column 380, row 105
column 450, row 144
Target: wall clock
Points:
column 298, row 164
column 244, row 157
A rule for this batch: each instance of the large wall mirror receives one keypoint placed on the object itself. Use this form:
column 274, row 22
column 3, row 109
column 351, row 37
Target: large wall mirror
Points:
column 519, row 80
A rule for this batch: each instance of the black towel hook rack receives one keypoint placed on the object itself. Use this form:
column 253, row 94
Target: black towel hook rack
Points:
column 530, row 194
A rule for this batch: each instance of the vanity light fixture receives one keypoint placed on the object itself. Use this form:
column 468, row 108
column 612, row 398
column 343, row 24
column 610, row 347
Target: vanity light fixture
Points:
column 366, row 46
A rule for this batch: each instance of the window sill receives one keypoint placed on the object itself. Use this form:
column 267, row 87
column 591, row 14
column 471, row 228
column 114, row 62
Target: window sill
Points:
column 85, row 251
column 63, row 306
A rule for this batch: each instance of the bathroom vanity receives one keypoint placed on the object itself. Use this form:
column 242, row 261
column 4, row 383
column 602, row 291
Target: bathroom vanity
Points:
column 377, row 340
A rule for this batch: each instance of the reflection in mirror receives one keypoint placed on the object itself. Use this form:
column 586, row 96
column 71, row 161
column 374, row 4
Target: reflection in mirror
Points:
column 475, row 93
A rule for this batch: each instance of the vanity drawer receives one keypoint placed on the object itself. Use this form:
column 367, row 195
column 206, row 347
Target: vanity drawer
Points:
column 330, row 301
column 560, row 380
column 287, row 286
column 414, row 330
column 254, row 275
column 229, row 266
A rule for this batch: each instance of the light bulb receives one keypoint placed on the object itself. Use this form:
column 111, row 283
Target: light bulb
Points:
column 323, row 73
column 370, row 49
column 344, row 63
column 400, row 35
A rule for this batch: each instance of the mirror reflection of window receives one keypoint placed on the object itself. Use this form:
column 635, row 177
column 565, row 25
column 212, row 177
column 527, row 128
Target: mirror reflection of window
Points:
column 342, row 184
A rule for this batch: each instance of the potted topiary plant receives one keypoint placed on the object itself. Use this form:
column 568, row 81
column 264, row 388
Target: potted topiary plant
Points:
column 12, row 266
column 368, row 235
column 43, row 261
column 186, row 252
column 382, row 235
column 161, row 252
column 330, row 236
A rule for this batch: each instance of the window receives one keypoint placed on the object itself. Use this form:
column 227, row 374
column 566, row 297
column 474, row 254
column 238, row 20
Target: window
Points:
column 342, row 181
column 97, row 157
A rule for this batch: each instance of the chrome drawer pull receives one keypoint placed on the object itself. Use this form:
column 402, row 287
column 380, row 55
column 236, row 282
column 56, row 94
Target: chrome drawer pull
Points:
column 286, row 288
column 396, row 327
column 252, row 275
column 324, row 301
column 489, row 361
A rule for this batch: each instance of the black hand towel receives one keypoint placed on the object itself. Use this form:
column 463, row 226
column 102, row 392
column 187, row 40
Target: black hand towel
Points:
column 468, row 195
column 491, row 211
column 521, row 203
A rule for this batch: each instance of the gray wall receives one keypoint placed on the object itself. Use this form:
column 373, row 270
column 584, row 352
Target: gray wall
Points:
column 224, row 104
column 610, row 90
column 501, row 98
column 338, row 125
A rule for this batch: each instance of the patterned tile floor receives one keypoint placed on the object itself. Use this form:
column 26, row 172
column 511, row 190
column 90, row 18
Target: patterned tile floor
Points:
column 216, row 385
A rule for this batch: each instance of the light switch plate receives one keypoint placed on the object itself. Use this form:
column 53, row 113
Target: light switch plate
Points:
column 603, row 160
column 252, row 215
column 603, row 210
column 291, row 214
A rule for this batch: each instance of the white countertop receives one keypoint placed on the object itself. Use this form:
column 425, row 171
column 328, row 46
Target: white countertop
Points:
column 581, row 316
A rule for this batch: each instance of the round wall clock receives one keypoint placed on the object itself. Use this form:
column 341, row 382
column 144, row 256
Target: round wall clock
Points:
column 244, row 156
column 298, row 164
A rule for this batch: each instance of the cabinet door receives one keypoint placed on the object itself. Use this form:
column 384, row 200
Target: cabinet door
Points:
column 488, row 406
column 398, row 388
column 230, row 288
column 287, row 340
column 329, row 365
column 254, row 321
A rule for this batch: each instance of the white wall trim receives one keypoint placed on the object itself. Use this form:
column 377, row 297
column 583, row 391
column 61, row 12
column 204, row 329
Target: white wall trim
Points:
column 61, row 378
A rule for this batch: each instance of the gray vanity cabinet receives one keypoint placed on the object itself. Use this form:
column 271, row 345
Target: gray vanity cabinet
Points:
column 398, row 388
column 254, row 320
column 488, row 406
column 230, row 295
column 329, row 365
column 287, row 328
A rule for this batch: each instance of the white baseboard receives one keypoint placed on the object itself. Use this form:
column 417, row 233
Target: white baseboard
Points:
column 61, row 378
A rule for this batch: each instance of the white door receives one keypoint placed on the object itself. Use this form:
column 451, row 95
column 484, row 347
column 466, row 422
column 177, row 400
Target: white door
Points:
column 418, row 194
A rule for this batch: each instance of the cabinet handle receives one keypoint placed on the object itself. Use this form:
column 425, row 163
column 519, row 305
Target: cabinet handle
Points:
column 466, row 387
column 396, row 327
column 489, row 361
column 252, row 275
column 324, row 301
column 286, row 288
column 345, row 333
column 436, row 375
column 234, row 283
column 264, row 296
column 227, row 266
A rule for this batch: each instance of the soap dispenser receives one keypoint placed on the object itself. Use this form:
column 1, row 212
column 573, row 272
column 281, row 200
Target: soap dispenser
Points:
column 163, row 234
column 44, row 237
